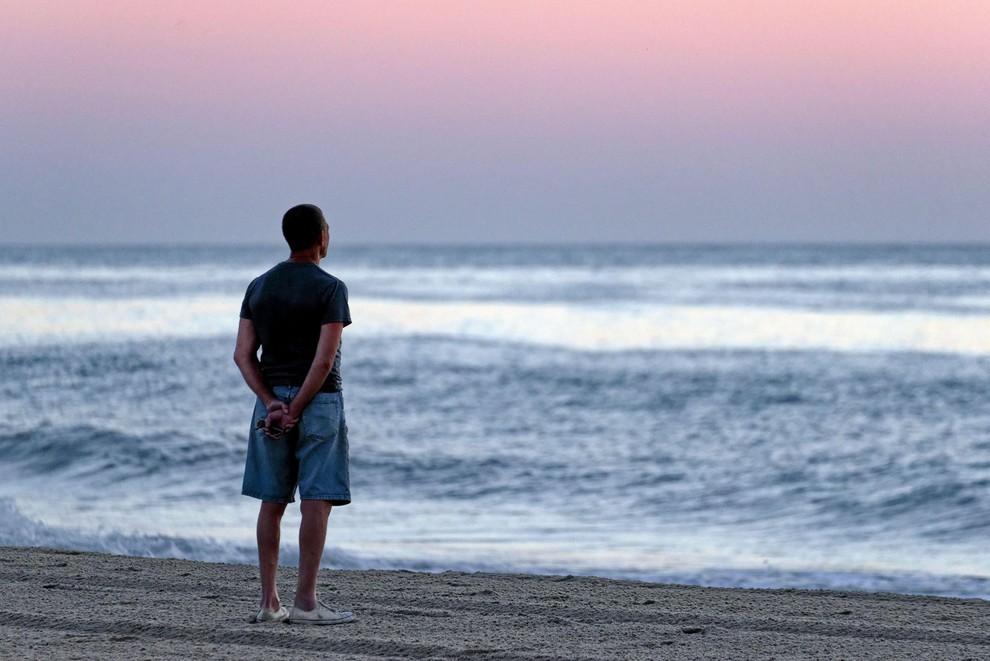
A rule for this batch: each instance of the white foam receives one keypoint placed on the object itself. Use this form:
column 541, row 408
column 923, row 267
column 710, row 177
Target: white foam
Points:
column 639, row 326
column 667, row 283
column 621, row 326
column 35, row 321
column 186, row 274
column 663, row 282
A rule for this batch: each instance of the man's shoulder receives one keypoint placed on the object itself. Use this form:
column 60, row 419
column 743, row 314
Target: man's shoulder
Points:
column 323, row 273
column 329, row 278
column 269, row 273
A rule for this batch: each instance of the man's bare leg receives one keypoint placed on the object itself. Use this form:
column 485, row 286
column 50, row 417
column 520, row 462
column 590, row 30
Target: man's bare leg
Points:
column 312, row 538
column 269, row 532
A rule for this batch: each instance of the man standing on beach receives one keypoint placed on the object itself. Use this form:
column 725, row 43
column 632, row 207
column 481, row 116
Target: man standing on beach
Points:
column 295, row 313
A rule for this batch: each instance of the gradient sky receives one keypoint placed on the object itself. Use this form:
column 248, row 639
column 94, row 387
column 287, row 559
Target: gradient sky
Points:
column 499, row 121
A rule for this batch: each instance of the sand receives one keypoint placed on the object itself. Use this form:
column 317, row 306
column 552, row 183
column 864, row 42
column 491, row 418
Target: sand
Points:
column 59, row 604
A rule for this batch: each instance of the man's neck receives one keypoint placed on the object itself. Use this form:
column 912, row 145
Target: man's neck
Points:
column 308, row 256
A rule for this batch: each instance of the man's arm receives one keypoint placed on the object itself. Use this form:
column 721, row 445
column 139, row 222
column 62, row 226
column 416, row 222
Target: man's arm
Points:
column 246, row 357
column 326, row 352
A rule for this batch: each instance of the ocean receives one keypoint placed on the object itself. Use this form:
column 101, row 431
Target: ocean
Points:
column 755, row 416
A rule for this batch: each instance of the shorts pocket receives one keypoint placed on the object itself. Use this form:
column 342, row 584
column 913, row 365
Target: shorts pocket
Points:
column 321, row 419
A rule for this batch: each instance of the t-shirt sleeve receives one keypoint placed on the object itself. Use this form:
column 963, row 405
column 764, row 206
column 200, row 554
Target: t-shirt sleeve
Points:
column 245, row 304
column 336, row 309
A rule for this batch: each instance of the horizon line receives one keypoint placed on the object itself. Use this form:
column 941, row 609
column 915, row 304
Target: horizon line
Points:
column 809, row 243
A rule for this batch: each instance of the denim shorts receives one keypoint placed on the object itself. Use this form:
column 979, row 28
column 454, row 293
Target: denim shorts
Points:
column 313, row 456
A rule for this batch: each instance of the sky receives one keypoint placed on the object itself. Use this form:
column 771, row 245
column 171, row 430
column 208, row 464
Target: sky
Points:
column 198, row 121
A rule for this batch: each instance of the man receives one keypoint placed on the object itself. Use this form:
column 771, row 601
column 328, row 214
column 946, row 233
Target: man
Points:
column 296, row 313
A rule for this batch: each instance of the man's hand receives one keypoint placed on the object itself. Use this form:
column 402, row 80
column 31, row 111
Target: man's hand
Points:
column 290, row 419
column 275, row 423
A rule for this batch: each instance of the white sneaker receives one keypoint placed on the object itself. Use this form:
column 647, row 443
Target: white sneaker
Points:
column 265, row 615
column 322, row 614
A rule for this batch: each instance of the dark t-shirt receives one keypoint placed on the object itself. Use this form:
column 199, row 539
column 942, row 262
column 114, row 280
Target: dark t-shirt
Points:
column 288, row 305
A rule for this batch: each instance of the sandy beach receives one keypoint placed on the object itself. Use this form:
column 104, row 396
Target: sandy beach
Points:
column 60, row 604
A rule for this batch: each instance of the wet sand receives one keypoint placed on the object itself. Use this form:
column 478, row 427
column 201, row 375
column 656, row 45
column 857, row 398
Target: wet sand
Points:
column 69, row 605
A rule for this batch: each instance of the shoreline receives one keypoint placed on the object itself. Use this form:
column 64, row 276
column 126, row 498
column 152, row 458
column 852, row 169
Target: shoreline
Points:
column 72, row 604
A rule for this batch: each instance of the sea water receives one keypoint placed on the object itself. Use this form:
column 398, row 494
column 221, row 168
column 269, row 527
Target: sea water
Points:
column 772, row 416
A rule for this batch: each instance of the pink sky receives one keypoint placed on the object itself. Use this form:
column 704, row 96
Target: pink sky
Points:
column 506, row 86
